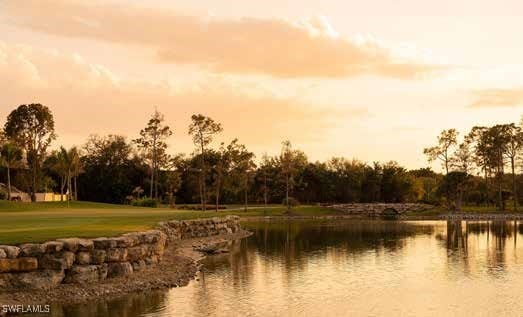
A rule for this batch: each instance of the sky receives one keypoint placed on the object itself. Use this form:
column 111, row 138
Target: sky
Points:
column 371, row 80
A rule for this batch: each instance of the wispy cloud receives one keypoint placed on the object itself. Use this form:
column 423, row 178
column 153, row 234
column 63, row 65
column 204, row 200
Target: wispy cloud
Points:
column 491, row 98
column 88, row 98
column 274, row 47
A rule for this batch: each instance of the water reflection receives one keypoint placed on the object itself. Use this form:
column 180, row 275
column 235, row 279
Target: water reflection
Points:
column 348, row 268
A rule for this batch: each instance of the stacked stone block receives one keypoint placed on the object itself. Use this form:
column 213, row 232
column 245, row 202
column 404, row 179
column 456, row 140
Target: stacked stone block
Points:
column 74, row 260
column 78, row 261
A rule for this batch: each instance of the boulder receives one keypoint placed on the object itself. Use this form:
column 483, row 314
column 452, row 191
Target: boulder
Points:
column 139, row 266
column 18, row 265
column 133, row 238
column 105, row 243
column 12, row 252
column 158, row 248
column 53, row 246
column 125, row 242
column 116, row 255
column 32, row 249
column 81, row 274
column 60, row 261
column 152, row 236
column 98, row 256
column 77, row 244
column 136, row 253
column 119, row 269
column 43, row 279
column 152, row 260
column 83, row 258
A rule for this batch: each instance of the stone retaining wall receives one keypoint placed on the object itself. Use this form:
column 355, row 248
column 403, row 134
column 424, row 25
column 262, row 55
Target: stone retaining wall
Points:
column 75, row 260
column 188, row 229
column 376, row 209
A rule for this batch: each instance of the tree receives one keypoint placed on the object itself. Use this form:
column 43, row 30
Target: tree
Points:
column 446, row 140
column 66, row 163
column 152, row 143
column 57, row 163
column 463, row 157
column 111, row 170
column 454, row 185
column 514, row 137
column 221, row 168
column 174, row 178
column 72, row 162
column 242, row 167
column 478, row 138
column 203, row 129
column 11, row 156
column 496, row 140
column 290, row 161
column 264, row 167
column 31, row 127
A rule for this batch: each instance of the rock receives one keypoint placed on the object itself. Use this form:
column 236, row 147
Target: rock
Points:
column 32, row 249
column 119, row 269
column 209, row 248
column 98, row 256
column 152, row 260
column 61, row 261
column 45, row 279
column 133, row 238
column 152, row 236
column 12, row 252
column 125, row 242
column 18, row 265
column 116, row 255
column 81, row 274
column 53, row 246
column 139, row 266
column 3, row 255
column 77, row 244
column 136, row 253
column 83, row 258
column 105, row 243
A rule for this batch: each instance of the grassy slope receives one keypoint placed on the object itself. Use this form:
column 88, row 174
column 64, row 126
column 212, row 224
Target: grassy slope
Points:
column 21, row 222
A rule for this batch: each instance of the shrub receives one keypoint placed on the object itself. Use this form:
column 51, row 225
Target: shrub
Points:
column 145, row 202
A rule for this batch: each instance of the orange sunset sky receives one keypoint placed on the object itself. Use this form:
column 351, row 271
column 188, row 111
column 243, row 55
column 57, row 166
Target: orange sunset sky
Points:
column 373, row 80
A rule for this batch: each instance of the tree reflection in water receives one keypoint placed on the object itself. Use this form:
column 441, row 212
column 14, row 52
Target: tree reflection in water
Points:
column 343, row 267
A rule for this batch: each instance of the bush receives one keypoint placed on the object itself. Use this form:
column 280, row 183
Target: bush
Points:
column 293, row 202
column 145, row 202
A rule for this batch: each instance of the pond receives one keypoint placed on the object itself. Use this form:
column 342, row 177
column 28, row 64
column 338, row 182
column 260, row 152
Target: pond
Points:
column 349, row 267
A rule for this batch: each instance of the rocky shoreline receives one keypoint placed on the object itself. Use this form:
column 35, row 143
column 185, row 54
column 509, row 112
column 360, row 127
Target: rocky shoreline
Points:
column 444, row 216
column 179, row 265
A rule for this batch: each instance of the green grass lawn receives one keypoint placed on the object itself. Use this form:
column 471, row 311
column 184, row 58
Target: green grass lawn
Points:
column 37, row 222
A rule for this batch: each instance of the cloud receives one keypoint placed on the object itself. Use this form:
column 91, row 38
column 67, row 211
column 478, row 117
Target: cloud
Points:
column 491, row 98
column 274, row 47
column 88, row 98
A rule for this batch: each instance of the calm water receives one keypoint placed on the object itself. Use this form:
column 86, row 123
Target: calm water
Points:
column 356, row 268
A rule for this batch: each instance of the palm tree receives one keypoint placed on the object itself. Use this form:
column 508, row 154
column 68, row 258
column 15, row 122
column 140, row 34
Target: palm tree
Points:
column 68, row 166
column 11, row 155
column 74, row 170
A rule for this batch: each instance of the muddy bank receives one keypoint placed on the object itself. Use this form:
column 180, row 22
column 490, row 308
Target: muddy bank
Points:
column 179, row 265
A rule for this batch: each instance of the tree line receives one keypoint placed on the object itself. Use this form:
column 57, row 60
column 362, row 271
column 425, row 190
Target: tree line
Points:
column 142, row 171
column 477, row 165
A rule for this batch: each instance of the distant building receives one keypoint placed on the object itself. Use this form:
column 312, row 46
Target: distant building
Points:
column 18, row 195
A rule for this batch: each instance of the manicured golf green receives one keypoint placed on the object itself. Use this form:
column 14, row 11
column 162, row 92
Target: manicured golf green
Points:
column 37, row 222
